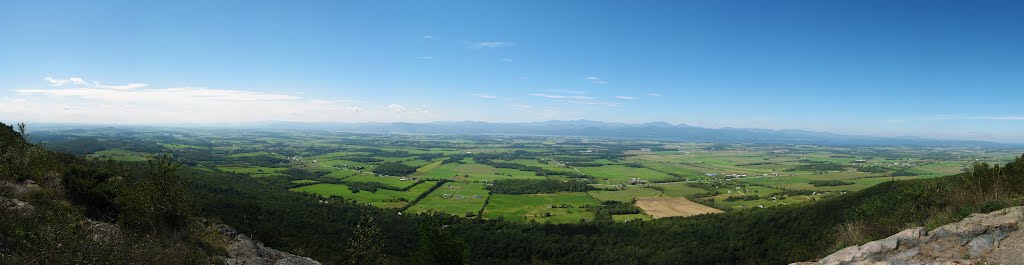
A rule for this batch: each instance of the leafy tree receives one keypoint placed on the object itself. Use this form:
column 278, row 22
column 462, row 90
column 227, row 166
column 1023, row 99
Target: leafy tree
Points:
column 394, row 169
column 367, row 244
column 830, row 182
column 155, row 199
column 532, row 186
column 438, row 245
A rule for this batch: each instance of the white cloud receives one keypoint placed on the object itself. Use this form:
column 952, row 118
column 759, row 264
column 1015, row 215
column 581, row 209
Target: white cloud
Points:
column 593, row 103
column 485, row 96
column 507, row 60
column 77, row 81
column 431, row 37
column 54, row 82
column 121, row 87
column 395, row 108
column 159, row 95
column 565, row 91
column 559, row 96
column 492, row 44
column 145, row 105
column 943, row 117
column 425, row 57
column 81, row 82
column 654, row 94
column 596, row 80
column 61, row 82
column 523, row 107
column 625, row 97
column 1003, row 118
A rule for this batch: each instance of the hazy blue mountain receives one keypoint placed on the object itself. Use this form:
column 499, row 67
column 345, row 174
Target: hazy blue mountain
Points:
column 651, row 130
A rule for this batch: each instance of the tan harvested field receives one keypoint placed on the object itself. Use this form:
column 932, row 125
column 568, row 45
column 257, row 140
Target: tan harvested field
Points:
column 659, row 207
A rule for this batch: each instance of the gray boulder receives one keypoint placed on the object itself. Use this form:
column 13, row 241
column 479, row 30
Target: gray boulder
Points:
column 11, row 205
column 968, row 241
column 243, row 250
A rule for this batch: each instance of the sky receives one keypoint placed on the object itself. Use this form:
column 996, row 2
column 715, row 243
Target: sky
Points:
column 936, row 69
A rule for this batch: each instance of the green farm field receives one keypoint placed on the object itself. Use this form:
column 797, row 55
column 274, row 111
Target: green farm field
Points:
column 618, row 174
column 391, row 198
column 539, row 207
column 454, row 198
column 627, row 195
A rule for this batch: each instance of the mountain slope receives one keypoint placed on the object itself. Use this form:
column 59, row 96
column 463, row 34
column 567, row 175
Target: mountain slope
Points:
column 60, row 209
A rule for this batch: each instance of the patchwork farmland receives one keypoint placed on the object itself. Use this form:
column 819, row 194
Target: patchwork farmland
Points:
column 556, row 179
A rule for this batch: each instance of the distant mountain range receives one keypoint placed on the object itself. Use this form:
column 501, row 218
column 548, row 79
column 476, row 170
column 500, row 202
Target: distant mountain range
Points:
column 652, row 130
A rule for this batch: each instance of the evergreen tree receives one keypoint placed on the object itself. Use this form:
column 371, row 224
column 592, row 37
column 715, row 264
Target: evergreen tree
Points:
column 367, row 245
column 440, row 246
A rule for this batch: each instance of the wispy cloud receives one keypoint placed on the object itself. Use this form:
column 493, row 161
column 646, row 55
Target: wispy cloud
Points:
column 609, row 104
column 431, row 37
column 565, row 91
column 395, row 108
column 485, row 96
column 507, row 60
column 492, row 44
column 559, row 96
column 78, row 81
column 596, row 80
column 121, row 87
column 976, row 117
column 522, row 107
column 321, row 102
column 166, row 94
column 625, row 97
column 654, row 94
column 135, row 103
column 425, row 57
column 62, row 82
column 1004, row 118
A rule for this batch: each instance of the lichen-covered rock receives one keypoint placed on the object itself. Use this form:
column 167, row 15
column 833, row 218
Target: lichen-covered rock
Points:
column 11, row 205
column 19, row 188
column 103, row 231
column 965, row 242
column 243, row 250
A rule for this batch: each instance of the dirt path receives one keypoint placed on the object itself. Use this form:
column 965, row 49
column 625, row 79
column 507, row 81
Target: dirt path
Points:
column 659, row 207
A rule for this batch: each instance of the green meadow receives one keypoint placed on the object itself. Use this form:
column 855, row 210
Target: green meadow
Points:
column 627, row 195
column 454, row 198
column 564, row 207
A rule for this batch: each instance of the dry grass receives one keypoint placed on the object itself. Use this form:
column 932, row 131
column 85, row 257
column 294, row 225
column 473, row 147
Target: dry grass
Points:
column 659, row 207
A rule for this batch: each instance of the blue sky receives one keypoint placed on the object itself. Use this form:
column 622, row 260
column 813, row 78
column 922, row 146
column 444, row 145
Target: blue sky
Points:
column 942, row 69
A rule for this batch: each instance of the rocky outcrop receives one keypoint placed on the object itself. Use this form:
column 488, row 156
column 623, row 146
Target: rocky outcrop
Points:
column 243, row 250
column 19, row 188
column 103, row 231
column 992, row 238
column 10, row 205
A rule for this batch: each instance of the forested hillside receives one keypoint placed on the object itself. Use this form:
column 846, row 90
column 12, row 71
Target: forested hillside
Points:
column 61, row 209
column 160, row 204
